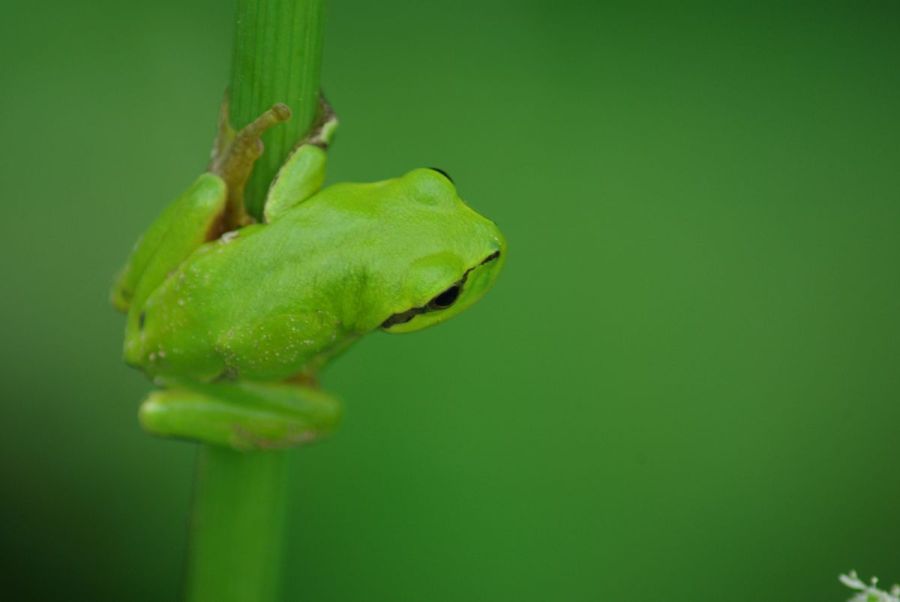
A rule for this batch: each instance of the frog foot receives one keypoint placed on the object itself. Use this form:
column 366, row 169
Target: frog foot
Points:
column 241, row 416
column 235, row 153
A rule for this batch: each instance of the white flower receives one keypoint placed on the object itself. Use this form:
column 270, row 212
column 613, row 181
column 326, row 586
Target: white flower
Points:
column 869, row 592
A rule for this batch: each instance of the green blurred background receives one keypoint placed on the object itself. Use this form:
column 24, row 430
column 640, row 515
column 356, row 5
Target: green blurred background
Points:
column 684, row 387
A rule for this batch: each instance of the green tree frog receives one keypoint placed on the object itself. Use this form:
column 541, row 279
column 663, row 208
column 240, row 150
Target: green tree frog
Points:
column 233, row 319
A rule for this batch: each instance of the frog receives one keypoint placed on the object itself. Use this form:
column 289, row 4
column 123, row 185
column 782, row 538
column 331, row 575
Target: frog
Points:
column 233, row 318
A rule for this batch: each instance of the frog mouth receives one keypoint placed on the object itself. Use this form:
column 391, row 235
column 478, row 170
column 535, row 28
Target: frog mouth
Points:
column 442, row 301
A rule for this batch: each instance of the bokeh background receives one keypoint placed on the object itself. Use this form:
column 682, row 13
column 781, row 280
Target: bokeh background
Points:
column 684, row 387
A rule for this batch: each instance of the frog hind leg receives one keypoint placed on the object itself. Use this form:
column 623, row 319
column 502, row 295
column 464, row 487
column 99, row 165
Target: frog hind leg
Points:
column 235, row 153
column 241, row 416
column 303, row 173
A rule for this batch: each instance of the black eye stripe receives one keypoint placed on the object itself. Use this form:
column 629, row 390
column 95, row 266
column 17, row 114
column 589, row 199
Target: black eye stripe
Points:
column 403, row 317
column 491, row 257
column 442, row 301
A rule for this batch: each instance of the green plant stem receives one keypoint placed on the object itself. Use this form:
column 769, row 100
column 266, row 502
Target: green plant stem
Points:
column 277, row 58
column 237, row 526
column 240, row 498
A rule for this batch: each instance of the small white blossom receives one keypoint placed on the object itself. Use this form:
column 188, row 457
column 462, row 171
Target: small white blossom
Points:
column 869, row 592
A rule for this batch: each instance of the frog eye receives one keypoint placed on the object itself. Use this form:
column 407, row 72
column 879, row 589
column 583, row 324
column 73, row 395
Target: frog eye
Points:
column 445, row 299
column 443, row 173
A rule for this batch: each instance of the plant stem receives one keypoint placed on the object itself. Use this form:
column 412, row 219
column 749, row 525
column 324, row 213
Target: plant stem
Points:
column 240, row 498
column 237, row 526
column 277, row 58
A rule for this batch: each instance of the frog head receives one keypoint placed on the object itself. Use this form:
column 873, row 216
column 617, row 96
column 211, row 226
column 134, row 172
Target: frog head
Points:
column 452, row 255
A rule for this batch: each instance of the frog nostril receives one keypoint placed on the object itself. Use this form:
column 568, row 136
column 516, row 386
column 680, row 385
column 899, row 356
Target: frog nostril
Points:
column 141, row 319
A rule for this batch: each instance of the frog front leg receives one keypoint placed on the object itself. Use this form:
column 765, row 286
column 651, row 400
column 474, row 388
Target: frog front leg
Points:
column 303, row 174
column 243, row 416
column 188, row 222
